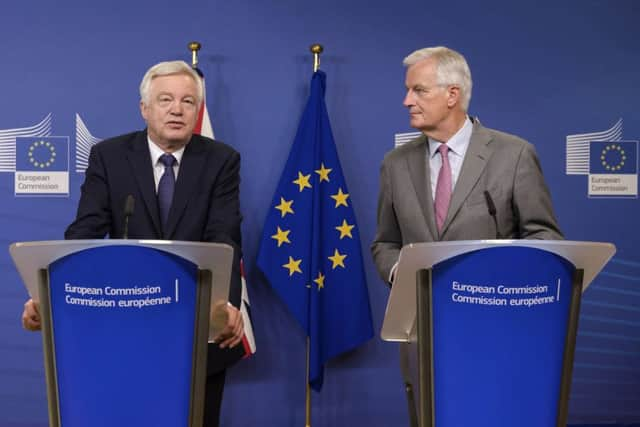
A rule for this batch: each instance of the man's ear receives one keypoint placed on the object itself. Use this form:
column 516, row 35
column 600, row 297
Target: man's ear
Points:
column 453, row 96
column 143, row 110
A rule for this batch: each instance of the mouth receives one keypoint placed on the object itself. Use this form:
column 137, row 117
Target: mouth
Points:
column 175, row 124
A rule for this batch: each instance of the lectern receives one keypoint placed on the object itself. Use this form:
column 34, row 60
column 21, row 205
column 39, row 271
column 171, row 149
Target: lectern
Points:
column 494, row 326
column 125, row 325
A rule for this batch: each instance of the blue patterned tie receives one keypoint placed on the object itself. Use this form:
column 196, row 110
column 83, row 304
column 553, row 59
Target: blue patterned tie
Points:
column 166, row 186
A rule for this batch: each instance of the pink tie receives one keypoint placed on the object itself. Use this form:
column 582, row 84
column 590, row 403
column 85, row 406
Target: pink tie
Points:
column 443, row 188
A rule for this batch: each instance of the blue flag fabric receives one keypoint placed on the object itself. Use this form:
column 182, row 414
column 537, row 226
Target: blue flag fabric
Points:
column 310, row 250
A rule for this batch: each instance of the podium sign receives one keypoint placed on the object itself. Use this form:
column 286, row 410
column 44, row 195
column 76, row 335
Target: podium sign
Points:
column 499, row 336
column 123, row 320
column 495, row 325
column 125, row 325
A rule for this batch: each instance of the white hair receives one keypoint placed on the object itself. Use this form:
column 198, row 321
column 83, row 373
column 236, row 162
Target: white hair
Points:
column 451, row 69
column 165, row 69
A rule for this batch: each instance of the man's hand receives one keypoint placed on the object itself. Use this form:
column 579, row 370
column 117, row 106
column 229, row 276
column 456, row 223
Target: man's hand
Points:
column 233, row 331
column 31, row 316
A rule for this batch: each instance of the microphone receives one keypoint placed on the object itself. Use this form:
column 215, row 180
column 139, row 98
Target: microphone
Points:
column 492, row 212
column 129, row 204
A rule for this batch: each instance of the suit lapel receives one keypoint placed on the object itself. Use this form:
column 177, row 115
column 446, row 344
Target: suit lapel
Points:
column 418, row 165
column 139, row 160
column 475, row 160
column 193, row 161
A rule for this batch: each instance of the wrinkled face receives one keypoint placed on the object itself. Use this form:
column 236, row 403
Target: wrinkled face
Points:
column 171, row 111
column 428, row 102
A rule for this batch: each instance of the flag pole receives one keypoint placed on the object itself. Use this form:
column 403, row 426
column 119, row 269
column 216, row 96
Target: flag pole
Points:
column 307, row 417
column 316, row 49
column 194, row 47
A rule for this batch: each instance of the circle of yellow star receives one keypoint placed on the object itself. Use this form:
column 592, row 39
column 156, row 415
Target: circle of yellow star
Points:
column 293, row 266
column 345, row 229
column 319, row 280
column 337, row 259
column 303, row 181
column 340, row 198
column 608, row 164
column 282, row 236
column 323, row 172
column 42, row 164
column 285, row 206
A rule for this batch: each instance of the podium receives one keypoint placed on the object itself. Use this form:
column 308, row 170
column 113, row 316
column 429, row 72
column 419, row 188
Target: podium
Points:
column 488, row 328
column 125, row 326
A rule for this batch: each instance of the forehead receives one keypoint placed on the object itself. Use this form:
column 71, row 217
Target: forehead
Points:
column 174, row 83
column 422, row 72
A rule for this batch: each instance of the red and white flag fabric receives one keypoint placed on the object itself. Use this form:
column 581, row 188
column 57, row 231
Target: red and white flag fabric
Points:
column 204, row 128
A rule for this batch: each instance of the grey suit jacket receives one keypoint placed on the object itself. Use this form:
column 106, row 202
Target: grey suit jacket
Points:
column 504, row 165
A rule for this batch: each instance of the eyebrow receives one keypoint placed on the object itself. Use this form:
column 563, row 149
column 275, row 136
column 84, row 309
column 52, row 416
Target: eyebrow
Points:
column 165, row 93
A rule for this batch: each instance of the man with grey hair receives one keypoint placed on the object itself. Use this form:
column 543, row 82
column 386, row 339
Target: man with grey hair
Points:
column 458, row 180
column 186, row 187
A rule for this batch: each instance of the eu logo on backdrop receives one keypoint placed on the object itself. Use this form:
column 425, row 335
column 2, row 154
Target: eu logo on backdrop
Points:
column 610, row 162
column 613, row 168
column 613, row 157
column 39, row 161
column 42, row 166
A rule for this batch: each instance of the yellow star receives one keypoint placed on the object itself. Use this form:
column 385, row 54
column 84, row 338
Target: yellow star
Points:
column 344, row 229
column 323, row 172
column 337, row 259
column 303, row 181
column 282, row 236
column 319, row 281
column 293, row 266
column 340, row 198
column 285, row 207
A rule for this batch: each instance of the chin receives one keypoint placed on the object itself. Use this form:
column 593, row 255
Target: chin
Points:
column 416, row 124
column 181, row 136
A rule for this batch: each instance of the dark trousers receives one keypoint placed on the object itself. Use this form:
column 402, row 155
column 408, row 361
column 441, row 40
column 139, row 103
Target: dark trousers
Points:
column 213, row 399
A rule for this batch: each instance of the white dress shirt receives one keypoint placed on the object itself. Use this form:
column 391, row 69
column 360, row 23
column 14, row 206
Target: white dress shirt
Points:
column 158, row 167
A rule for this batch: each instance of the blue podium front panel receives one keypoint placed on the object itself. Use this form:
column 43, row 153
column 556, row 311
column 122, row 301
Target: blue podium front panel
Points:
column 123, row 320
column 499, row 327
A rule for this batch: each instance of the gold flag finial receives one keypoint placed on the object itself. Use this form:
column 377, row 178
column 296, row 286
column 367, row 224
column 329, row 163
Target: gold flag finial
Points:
column 316, row 49
column 194, row 47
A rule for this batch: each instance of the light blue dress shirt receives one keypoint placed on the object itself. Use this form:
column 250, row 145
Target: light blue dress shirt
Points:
column 458, row 145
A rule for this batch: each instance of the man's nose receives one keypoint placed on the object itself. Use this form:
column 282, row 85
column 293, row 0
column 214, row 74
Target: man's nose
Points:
column 408, row 99
column 176, row 108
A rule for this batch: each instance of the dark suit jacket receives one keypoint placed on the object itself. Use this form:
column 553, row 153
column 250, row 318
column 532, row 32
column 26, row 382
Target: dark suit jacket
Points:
column 205, row 208
column 504, row 165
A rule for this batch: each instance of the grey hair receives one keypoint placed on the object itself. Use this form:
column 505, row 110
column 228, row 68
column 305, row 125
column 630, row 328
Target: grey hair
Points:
column 165, row 69
column 451, row 69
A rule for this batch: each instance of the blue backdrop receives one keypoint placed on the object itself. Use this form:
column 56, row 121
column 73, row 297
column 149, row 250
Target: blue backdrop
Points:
column 548, row 71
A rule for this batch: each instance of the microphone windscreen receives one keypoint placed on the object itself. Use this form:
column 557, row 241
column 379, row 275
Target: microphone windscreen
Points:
column 129, row 205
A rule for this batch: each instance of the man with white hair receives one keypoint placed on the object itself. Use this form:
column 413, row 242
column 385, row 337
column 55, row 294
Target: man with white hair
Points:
column 186, row 187
column 459, row 180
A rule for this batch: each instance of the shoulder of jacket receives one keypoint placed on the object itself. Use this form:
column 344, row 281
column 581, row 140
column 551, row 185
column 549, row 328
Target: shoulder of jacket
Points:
column 406, row 149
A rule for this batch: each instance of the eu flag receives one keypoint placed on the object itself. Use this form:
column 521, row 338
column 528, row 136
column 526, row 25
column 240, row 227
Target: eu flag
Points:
column 613, row 157
column 310, row 250
column 42, row 154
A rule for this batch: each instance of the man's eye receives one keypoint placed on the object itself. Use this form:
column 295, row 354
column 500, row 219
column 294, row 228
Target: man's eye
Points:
column 164, row 100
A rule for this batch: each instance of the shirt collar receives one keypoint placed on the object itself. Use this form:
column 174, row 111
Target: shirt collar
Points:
column 156, row 152
column 457, row 143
